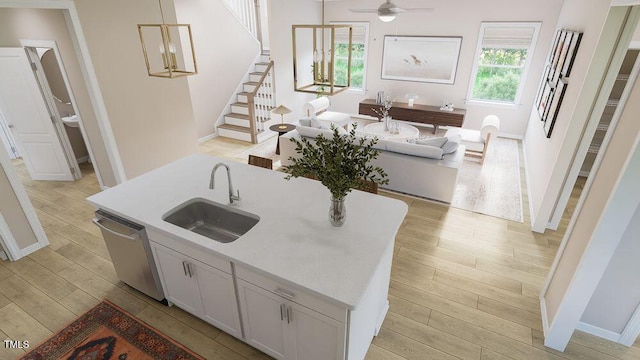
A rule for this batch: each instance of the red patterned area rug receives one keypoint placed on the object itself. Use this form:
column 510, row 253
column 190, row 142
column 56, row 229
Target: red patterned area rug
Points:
column 107, row 332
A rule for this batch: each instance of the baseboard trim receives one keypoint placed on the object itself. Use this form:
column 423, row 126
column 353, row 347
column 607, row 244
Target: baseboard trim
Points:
column 543, row 312
column 9, row 243
column 208, row 137
column 83, row 159
column 381, row 318
column 598, row 331
column 510, row 136
column 31, row 248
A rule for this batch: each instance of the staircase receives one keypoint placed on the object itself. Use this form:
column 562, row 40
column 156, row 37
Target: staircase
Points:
column 251, row 113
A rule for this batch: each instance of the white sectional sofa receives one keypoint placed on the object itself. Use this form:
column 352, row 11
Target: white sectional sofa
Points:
column 412, row 174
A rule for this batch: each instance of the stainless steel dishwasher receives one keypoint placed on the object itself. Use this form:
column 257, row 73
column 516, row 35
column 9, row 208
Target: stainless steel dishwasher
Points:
column 130, row 253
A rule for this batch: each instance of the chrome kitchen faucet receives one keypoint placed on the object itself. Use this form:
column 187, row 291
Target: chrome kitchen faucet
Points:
column 212, row 182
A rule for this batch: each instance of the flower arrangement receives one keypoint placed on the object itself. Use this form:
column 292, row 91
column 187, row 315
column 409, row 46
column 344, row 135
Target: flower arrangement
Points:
column 383, row 111
column 340, row 163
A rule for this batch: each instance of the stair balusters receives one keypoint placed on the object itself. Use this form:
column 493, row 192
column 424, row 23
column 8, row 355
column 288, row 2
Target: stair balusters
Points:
column 260, row 101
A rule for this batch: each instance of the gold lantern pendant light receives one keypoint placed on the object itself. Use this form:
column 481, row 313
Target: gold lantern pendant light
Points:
column 174, row 55
column 320, row 57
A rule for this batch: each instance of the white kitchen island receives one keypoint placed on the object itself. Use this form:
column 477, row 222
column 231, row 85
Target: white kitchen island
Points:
column 293, row 286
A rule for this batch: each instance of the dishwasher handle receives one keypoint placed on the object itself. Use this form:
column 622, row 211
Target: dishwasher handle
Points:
column 132, row 237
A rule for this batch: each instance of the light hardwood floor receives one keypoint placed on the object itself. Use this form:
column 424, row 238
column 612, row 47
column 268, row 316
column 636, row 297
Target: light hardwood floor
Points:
column 463, row 285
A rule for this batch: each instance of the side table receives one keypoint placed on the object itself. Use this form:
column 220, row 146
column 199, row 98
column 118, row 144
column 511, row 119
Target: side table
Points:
column 281, row 129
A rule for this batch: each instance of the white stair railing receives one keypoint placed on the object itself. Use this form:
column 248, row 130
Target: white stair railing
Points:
column 261, row 101
column 246, row 11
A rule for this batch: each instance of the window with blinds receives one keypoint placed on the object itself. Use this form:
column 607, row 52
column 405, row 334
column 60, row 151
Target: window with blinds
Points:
column 359, row 43
column 502, row 59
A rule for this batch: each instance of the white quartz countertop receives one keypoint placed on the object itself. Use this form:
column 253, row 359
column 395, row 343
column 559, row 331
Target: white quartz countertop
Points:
column 293, row 241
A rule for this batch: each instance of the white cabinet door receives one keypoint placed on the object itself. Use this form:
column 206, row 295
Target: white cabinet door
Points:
column 286, row 330
column 200, row 289
column 317, row 337
column 220, row 307
column 263, row 317
column 180, row 289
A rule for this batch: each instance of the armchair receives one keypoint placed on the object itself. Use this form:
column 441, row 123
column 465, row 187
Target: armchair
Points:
column 317, row 109
column 477, row 142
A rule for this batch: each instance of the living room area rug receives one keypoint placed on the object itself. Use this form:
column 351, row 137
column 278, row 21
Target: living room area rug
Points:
column 107, row 332
column 493, row 188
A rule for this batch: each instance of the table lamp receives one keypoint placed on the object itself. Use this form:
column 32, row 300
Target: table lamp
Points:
column 281, row 110
column 411, row 97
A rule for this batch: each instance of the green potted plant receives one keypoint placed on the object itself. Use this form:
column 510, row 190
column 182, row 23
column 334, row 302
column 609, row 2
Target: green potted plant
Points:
column 341, row 163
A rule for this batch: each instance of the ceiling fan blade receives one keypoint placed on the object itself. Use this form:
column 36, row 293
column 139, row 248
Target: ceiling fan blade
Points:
column 372, row 11
column 418, row 9
column 397, row 10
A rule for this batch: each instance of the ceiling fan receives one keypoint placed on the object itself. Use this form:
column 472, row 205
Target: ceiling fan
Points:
column 387, row 11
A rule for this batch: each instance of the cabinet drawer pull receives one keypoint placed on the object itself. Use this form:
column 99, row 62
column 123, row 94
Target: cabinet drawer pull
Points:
column 281, row 312
column 289, row 320
column 285, row 293
column 189, row 270
column 184, row 267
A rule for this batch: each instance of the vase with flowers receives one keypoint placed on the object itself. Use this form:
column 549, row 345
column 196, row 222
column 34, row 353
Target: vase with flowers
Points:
column 383, row 111
column 341, row 163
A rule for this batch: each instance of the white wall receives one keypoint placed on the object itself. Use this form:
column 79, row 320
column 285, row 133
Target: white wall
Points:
column 11, row 210
column 283, row 14
column 548, row 160
column 450, row 18
column 618, row 293
column 39, row 24
column 224, row 49
column 152, row 118
column 607, row 206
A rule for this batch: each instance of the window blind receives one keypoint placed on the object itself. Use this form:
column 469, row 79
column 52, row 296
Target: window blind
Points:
column 509, row 37
column 359, row 34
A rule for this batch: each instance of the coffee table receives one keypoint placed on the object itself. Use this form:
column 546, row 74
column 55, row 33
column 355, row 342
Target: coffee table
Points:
column 406, row 131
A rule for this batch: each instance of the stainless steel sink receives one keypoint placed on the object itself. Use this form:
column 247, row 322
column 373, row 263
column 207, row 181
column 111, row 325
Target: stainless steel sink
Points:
column 218, row 222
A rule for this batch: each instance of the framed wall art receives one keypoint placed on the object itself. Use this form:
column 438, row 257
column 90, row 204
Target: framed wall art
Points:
column 571, row 53
column 554, row 107
column 545, row 99
column 554, row 82
column 421, row 58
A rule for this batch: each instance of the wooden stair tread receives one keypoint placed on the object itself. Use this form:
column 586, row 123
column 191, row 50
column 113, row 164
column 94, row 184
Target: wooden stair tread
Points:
column 237, row 116
column 262, row 63
column 246, row 93
column 238, row 128
column 241, row 104
column 257, row 73
column 234, row 128
column 251, row 83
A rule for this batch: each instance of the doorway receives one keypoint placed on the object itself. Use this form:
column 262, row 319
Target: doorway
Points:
column 24, row 216
column 32, row 118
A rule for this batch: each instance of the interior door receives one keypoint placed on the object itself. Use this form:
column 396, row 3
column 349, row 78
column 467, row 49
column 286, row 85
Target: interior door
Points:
column 29, row 119
column 7, row 139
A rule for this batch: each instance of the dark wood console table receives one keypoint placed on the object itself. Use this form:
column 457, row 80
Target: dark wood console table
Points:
column 417, row 113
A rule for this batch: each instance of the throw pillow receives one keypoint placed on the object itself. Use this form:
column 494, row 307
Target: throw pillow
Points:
column 452, row 144
column 450, row 147
column 426, row 151
column 435, row 141
column 305, row 122
column 316, row 123
column 312, row 132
